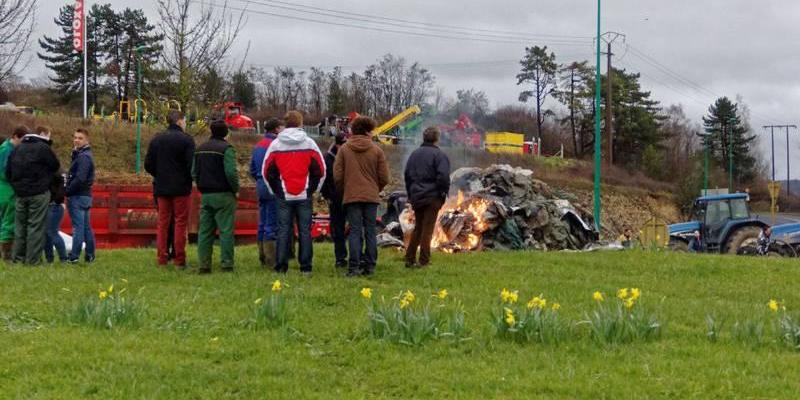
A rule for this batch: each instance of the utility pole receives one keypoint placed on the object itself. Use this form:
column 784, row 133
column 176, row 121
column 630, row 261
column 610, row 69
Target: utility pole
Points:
column 597, row 146
column 609, row 38
column 788, row 172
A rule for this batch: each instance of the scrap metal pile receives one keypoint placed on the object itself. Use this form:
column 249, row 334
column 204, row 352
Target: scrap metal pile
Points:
column 499, row 207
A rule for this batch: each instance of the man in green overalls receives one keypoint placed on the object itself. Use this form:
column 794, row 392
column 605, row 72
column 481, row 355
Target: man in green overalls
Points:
column 214, row 170
column 7, row 198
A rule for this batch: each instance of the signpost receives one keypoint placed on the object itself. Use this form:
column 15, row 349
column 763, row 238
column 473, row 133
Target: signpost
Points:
column 79, row 44
column 774, row 192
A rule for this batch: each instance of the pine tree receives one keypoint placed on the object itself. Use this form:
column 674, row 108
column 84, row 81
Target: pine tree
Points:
column 128, row 30
column 538, row 69
column 62, row 59
column 726, row 127
column 244, row 90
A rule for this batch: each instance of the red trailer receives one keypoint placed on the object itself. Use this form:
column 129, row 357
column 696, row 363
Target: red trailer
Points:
column 125, row 216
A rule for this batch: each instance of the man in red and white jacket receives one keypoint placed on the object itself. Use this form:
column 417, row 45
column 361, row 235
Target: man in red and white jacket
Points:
column 294, row 169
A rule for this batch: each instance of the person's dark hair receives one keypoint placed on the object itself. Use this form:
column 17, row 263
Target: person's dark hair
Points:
column 20, row 131
column 42, row 130
column 272, row 124
column 340, row 138
column 219, row 129
column 83, row 131
column 174, row 116
column 430, row 135
column 362, row 126
column 293, row 119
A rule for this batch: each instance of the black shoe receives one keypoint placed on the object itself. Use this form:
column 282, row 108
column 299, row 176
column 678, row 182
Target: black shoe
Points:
column 411, row 265
column 89, row 259
column 306, row 274
column 353, row 273
column 204, row 271
column 341, row 264
column 368, row 270
column 72, row 261
column 227, row 269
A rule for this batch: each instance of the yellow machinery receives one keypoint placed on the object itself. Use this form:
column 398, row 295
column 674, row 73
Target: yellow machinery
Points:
column 396, row 120
column 504, row 142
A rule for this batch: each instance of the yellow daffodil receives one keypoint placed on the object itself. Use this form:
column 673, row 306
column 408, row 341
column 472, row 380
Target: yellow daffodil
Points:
column 366, row 293
column 124, row 280
column 622, row 293
column 442, row 294
column 102, row 295
column 629, row 303
column 537, row 302
column 258, row 301
column 214, row 339
column 276, row 286
column 773, row 305
column 635, row 293
column 404, row 303
column 406, row 298
column 510, row 320
column 507, row 296
column 597, row 296
column 111, row 289
column 556, row 306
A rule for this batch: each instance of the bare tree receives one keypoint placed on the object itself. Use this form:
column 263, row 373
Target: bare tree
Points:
column 198, row 39
column 17, row 21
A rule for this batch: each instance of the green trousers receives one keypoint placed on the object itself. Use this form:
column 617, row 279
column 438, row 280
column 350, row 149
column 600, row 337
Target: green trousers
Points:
column 8, row 210
column 29, row 228
column 216, row 213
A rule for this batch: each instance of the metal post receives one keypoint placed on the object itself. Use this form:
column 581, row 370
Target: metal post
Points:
column 772, row 139
column 597, row 127
column 730, row 158
column 609, row 107
column 138, row 107
column 788, row 178
column 705, row 167
column 85, row 62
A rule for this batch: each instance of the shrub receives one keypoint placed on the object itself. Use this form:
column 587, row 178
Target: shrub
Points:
column 622, row 321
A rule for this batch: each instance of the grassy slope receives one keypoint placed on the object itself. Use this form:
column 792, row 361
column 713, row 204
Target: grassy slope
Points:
column 172, row 355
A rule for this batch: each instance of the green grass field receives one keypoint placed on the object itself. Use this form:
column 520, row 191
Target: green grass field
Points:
column 191, row 342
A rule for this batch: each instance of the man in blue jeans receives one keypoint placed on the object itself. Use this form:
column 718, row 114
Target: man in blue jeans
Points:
column 267, row 209
column 293, row 170
column 79, row 196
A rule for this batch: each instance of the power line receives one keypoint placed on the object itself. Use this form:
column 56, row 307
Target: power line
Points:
column 428, row 24
column 378, row 29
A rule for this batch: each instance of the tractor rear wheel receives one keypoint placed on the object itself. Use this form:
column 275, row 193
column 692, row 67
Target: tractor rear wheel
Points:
column 747, row 236
column 678, row 245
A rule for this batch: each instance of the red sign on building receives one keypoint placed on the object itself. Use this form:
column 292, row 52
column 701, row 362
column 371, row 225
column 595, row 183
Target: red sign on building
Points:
column 77, row 27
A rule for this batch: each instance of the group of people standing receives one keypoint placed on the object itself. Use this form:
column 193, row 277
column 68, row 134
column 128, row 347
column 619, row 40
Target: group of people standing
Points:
column 34, row 194
column 289, row 168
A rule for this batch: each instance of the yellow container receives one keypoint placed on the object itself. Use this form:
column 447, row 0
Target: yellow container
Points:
column 504, row 142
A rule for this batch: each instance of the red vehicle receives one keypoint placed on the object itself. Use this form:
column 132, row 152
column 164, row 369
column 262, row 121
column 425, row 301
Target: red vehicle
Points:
column 125, row 216
column 233, row 112
column 462, row 133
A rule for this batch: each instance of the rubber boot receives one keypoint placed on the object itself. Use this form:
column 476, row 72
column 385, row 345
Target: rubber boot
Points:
column 6, row 250
column 270, row 258
column 261, row 255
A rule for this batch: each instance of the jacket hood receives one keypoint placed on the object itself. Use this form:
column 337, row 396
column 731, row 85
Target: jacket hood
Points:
column 292, row 136
column 360, row 143
column 31, row 137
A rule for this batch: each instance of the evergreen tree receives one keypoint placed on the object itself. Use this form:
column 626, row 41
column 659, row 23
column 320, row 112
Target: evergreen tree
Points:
column 244, row 90
column 727, row 129
column 538, row 69
column 336, row 95
column 66, row 63
column 127, row 31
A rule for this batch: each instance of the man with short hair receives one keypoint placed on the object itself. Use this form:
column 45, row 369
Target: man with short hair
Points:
column 336, row 211
column 169, row 160
column 427, row 178
column 30, row 171
column 293, row 170
column 79, row 197
column 361, row 172
column 214, row 170
column 267, row 210
column 7, row 197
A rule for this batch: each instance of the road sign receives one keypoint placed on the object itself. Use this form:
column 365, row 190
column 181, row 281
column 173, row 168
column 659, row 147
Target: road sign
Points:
column 774, row 189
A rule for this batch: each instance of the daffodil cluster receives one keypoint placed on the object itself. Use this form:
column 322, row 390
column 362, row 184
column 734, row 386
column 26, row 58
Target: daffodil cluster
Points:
column 406, row 299
column 509, row 297
column 628, row 296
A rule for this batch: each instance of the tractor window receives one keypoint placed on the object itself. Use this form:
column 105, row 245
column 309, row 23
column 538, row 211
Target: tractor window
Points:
column 233, row 111
column 718, row 211
column 739, row 209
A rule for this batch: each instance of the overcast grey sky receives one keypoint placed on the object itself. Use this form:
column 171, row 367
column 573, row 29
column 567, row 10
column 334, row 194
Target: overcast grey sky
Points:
column 688, row 51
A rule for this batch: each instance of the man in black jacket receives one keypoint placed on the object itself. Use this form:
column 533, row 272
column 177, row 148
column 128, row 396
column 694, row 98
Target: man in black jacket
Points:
column 79, row 197
column 30, row 171
column 169, row 160
column 335, row 208
column 427, row 178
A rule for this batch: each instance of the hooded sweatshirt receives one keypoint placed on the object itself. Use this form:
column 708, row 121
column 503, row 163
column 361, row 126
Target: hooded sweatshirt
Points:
column 360, row 170
column 293, row 166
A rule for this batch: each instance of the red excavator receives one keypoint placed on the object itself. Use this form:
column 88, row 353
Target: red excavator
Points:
column 233, row 113
column 462, row 133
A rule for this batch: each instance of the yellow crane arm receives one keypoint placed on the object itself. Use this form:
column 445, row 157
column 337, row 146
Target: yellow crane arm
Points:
column 397, row 119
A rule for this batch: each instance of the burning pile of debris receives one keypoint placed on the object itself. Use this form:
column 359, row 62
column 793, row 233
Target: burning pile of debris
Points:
column 500, row 207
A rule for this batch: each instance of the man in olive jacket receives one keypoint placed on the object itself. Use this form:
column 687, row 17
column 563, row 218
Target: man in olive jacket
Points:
column 360, row 172
column 30, row 171
column 217, row 180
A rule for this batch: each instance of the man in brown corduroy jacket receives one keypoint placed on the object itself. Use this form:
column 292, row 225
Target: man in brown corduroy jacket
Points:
column 360, row 173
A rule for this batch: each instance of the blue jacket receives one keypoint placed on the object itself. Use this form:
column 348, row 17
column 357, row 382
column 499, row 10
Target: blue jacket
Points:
column 81, row 173
column 256, row 165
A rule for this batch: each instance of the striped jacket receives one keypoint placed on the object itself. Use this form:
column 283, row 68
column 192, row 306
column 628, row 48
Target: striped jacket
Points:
column 293, row 166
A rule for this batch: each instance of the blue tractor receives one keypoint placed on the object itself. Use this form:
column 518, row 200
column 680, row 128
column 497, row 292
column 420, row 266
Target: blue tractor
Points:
column 724, row 223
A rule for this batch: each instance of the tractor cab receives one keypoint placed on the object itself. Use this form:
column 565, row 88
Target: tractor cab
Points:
column 233, row 114
column 724, row 223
